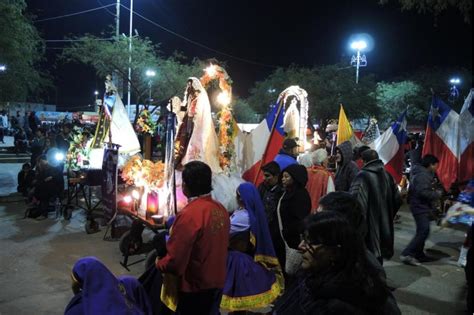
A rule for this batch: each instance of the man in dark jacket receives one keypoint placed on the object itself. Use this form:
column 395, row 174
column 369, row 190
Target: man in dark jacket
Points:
column 270, row 189
column 420, row 196
column 379, row 199
column 287, row 154
column 346, row 168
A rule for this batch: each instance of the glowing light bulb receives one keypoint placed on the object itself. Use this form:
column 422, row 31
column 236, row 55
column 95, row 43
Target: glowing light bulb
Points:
column 211, row 70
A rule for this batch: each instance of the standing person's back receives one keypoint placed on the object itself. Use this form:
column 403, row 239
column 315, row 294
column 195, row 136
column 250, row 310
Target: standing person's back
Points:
column 287, row 154
column 320, row 179
column 379, row 199
column 197, row 247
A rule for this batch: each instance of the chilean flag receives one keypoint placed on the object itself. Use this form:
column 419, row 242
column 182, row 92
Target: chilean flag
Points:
column 466, row 140
column 442, row 140
column 262, row 145
column 390, row 147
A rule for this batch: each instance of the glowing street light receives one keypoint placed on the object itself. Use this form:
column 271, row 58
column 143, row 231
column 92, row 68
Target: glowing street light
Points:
column 3, row 68
column 358, row 60
column 150, row 74
column 455, row 81
column 453, row 91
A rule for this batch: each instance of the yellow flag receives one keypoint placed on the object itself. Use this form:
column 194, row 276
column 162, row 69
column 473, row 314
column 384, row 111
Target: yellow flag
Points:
column 344, row 129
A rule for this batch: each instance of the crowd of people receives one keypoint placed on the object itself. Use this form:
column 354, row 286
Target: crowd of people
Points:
column 41, row 180
column 306, row 240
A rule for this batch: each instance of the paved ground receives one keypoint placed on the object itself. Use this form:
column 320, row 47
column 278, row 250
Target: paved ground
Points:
column 36, row 258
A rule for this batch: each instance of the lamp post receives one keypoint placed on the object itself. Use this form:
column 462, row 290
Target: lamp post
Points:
column 96, row 94
column 358, row 60
column 129, row 85
column 150, row 74
column 453, row 91
column 3, row 68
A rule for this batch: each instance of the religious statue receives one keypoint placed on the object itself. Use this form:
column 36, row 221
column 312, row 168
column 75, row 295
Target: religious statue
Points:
column 291, row 120
column 196, row 138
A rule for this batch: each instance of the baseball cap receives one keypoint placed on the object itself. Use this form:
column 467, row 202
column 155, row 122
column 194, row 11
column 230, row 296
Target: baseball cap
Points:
column 289, row 144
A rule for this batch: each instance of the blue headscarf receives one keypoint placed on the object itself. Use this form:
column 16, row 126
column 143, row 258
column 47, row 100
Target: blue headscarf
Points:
column 101, row 292
column 264, row 251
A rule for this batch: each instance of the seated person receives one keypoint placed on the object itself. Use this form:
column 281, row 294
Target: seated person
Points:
column 20, row 141
column 47, row 184
column 336, row 277
column 98, row 291
column 25, row 179
column 254, row 277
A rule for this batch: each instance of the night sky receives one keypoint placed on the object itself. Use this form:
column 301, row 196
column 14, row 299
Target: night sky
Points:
column 270, row 33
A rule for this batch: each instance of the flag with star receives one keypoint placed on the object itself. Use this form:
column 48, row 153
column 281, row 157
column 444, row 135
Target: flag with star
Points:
column 466, row 140
column 390, row 147
column 442, row 140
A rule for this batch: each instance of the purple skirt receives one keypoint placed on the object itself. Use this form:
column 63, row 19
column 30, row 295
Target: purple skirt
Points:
column 249, row 286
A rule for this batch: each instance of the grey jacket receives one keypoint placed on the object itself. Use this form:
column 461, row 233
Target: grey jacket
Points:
column 379, row 199
column 347, row 170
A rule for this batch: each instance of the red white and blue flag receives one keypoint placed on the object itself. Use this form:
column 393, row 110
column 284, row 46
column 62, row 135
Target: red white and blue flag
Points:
column 442, row 140
column 466, row 140
column 390, row 147
column 263, row 144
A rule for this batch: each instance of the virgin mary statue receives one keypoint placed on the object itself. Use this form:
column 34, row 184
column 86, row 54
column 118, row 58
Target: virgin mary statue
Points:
column 197, row 138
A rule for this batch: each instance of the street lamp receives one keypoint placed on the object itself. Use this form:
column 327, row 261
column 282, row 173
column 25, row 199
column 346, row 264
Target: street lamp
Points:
column 150, row 74
column 129, row 85
column 453, row 91
column 358, row 60
column 3, row 68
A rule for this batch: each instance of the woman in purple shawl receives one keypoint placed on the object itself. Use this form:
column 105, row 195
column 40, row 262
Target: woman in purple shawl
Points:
column 98, row 291
column 254, row 277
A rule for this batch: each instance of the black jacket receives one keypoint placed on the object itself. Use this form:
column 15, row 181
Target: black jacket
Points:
column 421, row 193
column 347, row 169
column 379, row 200
column 270, row 197
column 295, row 205
column 334, row 299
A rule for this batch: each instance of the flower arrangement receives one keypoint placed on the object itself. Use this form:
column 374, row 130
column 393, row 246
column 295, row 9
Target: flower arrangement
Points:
column 78, row 151
column 215, row 72
column 145, row 123
column 141, row 172
column 226, row 123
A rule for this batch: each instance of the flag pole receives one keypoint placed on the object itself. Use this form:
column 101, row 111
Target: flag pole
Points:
column 280, row 106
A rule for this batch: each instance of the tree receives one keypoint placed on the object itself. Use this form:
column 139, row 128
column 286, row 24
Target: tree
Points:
column 436, row 7
column 21, row 51
column 394, row 97
column 328, row 86
column 107, row 57
column 243, row 113
column 437, row 79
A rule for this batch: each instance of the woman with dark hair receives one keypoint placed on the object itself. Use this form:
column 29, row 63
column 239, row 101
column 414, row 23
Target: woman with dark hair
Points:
column 293, row 206
column 336, row 277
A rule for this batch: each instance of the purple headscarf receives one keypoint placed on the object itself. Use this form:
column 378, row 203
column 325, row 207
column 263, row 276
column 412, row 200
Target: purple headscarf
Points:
column 101, row 292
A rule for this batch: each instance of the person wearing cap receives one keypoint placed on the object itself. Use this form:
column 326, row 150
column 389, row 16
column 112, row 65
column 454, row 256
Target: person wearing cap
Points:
column 287, row 154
